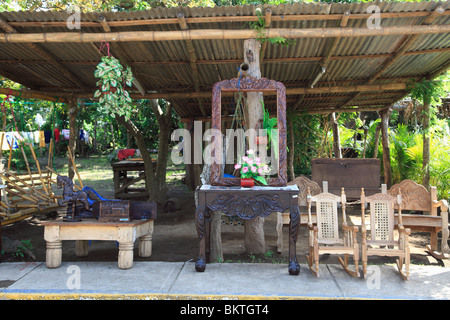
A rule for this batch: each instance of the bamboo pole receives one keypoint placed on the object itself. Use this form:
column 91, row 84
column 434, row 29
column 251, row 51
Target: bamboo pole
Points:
column 229, row 19
column 25, row 94
column 39, row 168
column 10, row 152
column 217, row 34
column 75, row 167
column 31, row 187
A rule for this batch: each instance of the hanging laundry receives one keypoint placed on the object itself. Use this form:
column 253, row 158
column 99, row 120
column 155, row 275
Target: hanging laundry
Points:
column 56, row 134
column 84, row 135
column 18, row 136
column 39, row 120
column 28, row 137
column 5, row 145
column 11, row 139
column 48, row 136
column 41, row 139
column 36, row 136
column 65, row 133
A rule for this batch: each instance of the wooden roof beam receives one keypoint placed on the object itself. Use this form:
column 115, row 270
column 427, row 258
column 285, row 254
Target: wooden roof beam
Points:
column 192, row 60
column 218, row 34
column 229, row 19
column 407, row 43
column 46, row 55
column 289, row 91
column 26, row 94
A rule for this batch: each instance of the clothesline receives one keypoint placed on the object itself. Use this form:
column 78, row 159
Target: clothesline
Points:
column 41, row 138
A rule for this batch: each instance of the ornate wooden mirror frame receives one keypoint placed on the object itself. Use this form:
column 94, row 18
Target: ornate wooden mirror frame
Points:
column 249, row 84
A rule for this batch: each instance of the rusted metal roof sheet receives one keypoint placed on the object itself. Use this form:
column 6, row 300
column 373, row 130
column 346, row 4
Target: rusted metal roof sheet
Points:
column 165, row 66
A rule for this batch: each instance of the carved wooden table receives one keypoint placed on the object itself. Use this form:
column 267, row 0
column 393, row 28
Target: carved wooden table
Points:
column 246, row 203
column 123, row 232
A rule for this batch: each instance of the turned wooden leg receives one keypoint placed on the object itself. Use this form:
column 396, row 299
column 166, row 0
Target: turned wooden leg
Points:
column 280, row 232
column 145, row 245
column 54, row 254
column 294, row 224
column 200, row 265
column 81, row 248
column 125, row 255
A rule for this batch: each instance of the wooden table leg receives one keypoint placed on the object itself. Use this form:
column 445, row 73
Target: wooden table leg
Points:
column 200, row 212
column 81, row 248
column 54, row 254
column 125, row 255
column 294, row 266
column 145, row 245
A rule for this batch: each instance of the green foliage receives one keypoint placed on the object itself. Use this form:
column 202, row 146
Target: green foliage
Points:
column 403, row 167
column 429, row 91
column 269, row 124
column 439, row 158
column 113, row 98
column 260, row 27
column 22, row 249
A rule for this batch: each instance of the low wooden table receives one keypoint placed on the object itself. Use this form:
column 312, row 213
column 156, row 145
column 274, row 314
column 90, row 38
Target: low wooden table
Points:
column 83, row 231
column 123, row 185
column 246, row 203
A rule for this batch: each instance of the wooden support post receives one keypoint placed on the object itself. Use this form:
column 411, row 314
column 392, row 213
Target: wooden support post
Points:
column 254, row 229
column 385, row 115
column 336, row 136
column 73, row 110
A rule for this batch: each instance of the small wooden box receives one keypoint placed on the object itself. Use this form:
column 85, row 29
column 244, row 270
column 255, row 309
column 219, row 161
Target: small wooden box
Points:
column 112, row 211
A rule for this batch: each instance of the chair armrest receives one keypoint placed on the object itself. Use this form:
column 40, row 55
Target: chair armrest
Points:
column 441, row 203
column 402, row 229
column 350, row 228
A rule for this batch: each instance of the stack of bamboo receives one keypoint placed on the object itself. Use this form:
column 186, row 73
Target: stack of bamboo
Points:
column 27, row 193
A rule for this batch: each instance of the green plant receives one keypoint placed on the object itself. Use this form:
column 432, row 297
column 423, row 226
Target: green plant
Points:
column 269, row 124
column 23, row 248
column 113, row 98
column 260, row 27
column 252, row 167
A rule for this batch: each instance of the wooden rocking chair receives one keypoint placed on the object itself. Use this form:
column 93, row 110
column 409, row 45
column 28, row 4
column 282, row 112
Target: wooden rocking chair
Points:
column 324, row 236
column 382, row 242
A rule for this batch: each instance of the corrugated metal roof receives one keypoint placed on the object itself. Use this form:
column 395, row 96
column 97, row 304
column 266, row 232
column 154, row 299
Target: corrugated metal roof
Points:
column 164, row 66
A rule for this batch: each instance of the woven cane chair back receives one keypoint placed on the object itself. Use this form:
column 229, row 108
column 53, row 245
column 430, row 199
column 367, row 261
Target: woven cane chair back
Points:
column 327, row 216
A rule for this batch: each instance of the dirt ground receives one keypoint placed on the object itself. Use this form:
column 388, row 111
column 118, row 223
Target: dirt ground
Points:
column 175, row 238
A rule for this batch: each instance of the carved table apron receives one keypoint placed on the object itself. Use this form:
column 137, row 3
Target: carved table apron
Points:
column 246, row 203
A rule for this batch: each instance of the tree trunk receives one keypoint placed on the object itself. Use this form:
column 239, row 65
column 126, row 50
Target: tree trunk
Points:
column 426, row 144
column 73, row 111
column 254, row 229
column 385, row 114
column 164, row 121
column 376, row 141
column 150, row 182
column 155, row 180
column 291, row 149
column 336, row 136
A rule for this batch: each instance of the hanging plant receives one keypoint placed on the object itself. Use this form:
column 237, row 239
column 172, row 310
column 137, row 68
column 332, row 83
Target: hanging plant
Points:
column 113, row 79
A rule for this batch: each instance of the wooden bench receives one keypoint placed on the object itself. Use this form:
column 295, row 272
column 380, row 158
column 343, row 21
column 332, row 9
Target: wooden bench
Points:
column 416, row 197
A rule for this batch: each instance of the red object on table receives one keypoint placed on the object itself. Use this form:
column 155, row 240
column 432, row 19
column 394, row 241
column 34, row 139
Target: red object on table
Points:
column 125, row 153
column 247, row 182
